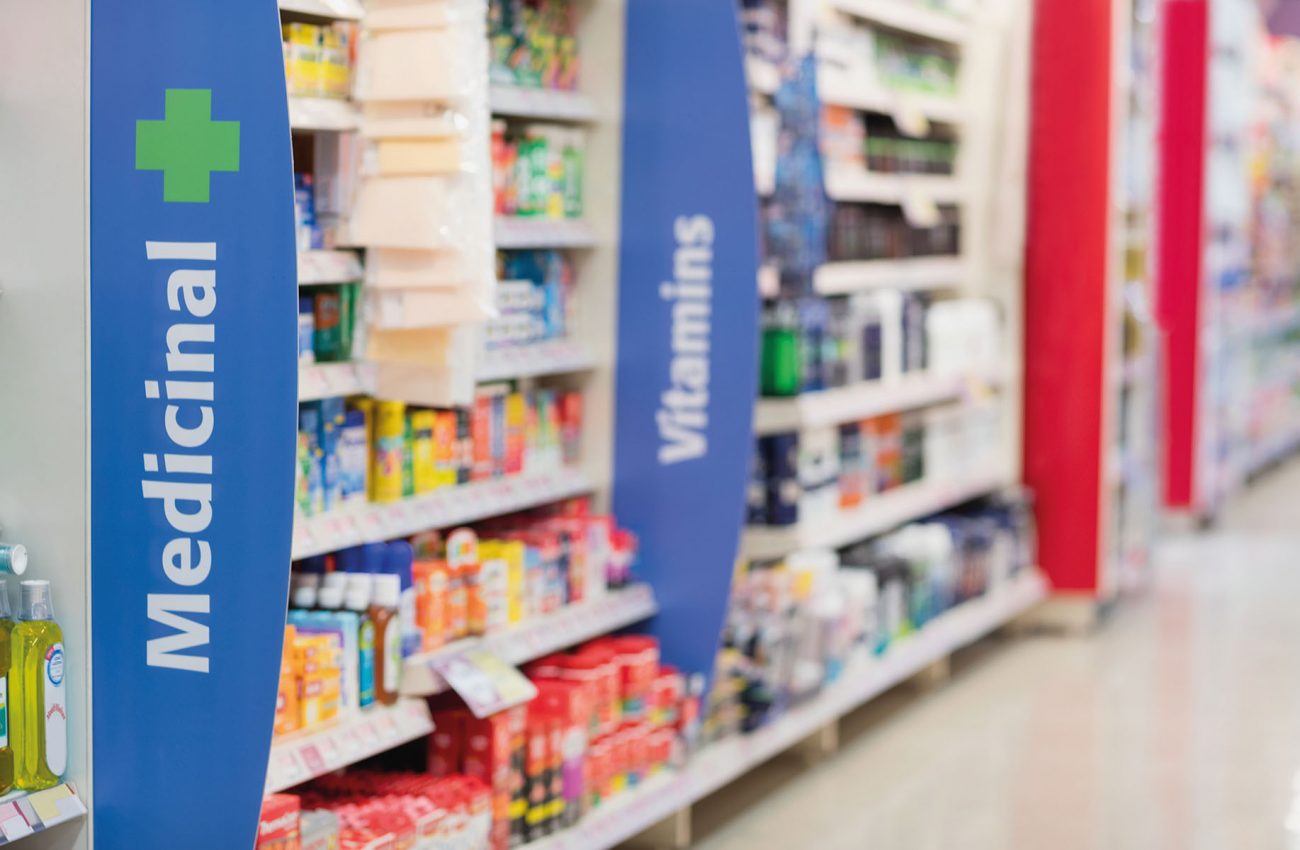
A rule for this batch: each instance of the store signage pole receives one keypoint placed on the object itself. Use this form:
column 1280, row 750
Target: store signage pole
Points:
column 688, row 313
column 193, row 391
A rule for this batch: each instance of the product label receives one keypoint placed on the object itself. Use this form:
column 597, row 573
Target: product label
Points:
column 366, row 659
column 4, row 712
column 56, row 715
column 392, row 656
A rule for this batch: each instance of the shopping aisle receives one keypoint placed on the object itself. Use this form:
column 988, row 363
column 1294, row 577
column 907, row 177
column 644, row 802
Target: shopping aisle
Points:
column 1174, row 727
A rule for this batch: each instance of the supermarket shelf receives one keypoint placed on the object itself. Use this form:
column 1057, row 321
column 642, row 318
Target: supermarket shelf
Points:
column 345, row 10
column 322, row 113
column 862, row 186
column 908, row 17
column 764, row 76
column 910, row 274
column 544, row 104
column 444, row 508
column 330, row 380
column 872, row 96
column 566, row 627
column 543, row 233
column 720, row 764
column 302, row 756
column 556, row 357
column 322, row 267
column 865, row 400
column 877, row 515
column 24, row 813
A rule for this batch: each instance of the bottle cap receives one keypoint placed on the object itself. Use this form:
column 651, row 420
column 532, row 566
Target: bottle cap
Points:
column 330, row 598
column 36, row 600
column 359, row 588
column 388, row 591
column 335, row 579
column 305, row 590
column 13, row 558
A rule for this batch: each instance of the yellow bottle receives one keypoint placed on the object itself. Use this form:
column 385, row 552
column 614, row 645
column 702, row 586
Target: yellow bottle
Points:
column 39, row 720
column 6, row 748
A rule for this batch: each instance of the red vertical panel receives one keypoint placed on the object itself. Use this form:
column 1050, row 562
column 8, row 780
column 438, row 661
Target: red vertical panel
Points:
column 1065, row 282
column 1180, row 207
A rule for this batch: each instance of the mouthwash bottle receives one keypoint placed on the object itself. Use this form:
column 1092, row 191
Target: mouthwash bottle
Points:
column 6, row 749
column 39, row 720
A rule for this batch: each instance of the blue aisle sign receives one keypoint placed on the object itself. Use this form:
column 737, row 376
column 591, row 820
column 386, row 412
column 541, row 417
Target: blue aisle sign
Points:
column 688, row 313
column 193, row 323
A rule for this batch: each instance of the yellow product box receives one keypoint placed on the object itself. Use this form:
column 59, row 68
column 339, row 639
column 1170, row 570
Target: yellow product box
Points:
column 423, row 463
column 389, row 450
column 319, row 698
column 335, row 71
column 288, row 718
column 303, row 62
column 315, row 653
column 512, row 552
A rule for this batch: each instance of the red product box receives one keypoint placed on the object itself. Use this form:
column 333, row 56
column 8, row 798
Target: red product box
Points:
column 278, row 827
column 445, row 750
column 490, row 756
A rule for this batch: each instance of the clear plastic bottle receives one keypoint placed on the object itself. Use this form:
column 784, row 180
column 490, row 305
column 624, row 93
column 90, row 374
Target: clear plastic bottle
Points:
column 39, row 720
column 383, row 614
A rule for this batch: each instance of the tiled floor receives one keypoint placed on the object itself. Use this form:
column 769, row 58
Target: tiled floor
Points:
column 1175, row 727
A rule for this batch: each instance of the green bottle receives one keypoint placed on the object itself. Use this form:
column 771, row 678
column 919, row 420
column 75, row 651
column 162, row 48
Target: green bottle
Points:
column 6, row 749
column 39, row 721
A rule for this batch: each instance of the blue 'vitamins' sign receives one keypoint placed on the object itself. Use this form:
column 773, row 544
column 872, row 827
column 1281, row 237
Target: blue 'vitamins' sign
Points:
column 193, row 391
column 688, row 312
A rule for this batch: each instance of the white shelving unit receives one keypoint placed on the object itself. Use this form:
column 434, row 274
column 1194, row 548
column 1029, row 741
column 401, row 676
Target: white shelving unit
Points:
column 542, row 104
column 344, row 10
column 865, row 400
column 520, row 233
column 720, row 764
column 554, row 357
column 871, row 96
column 445, row 508
column 316, row 268
column 908, row 17
column 330, row 380
column 876, row 515
column 302, row 756
column 568, row 626
column 24, row 813
column 863, row 186
column 920, row 273
column 323, row 114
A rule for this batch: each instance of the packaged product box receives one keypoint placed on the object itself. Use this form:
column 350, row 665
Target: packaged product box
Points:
column 319, row 831
column 489, row 756
column 445, row 744
column 288, row 717
column 277, row 828
column 418, row 64
column 320, row 697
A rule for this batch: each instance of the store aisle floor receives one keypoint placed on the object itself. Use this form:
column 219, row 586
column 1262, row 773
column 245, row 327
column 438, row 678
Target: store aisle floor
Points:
column 1176, row 726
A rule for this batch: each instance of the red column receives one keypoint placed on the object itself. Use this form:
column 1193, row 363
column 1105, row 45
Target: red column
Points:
column 1180, row 246
column 1066, row 281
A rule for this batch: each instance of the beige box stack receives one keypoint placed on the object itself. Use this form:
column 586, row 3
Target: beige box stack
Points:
column 423, row 207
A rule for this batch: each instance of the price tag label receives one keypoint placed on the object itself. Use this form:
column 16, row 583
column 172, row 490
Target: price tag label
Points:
column 329, row 752
column 311, row 383
column 486, row 682
column 313, row 761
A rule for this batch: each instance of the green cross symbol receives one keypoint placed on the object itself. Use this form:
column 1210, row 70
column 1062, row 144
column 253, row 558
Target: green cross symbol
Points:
column 187, row 146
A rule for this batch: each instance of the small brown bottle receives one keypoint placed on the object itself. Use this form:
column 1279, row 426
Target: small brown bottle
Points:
column 384, row 603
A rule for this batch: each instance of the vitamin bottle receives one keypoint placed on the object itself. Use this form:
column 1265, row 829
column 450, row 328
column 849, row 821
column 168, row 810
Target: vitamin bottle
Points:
column 358, row 602
column 388, row 637
column 39, row 720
